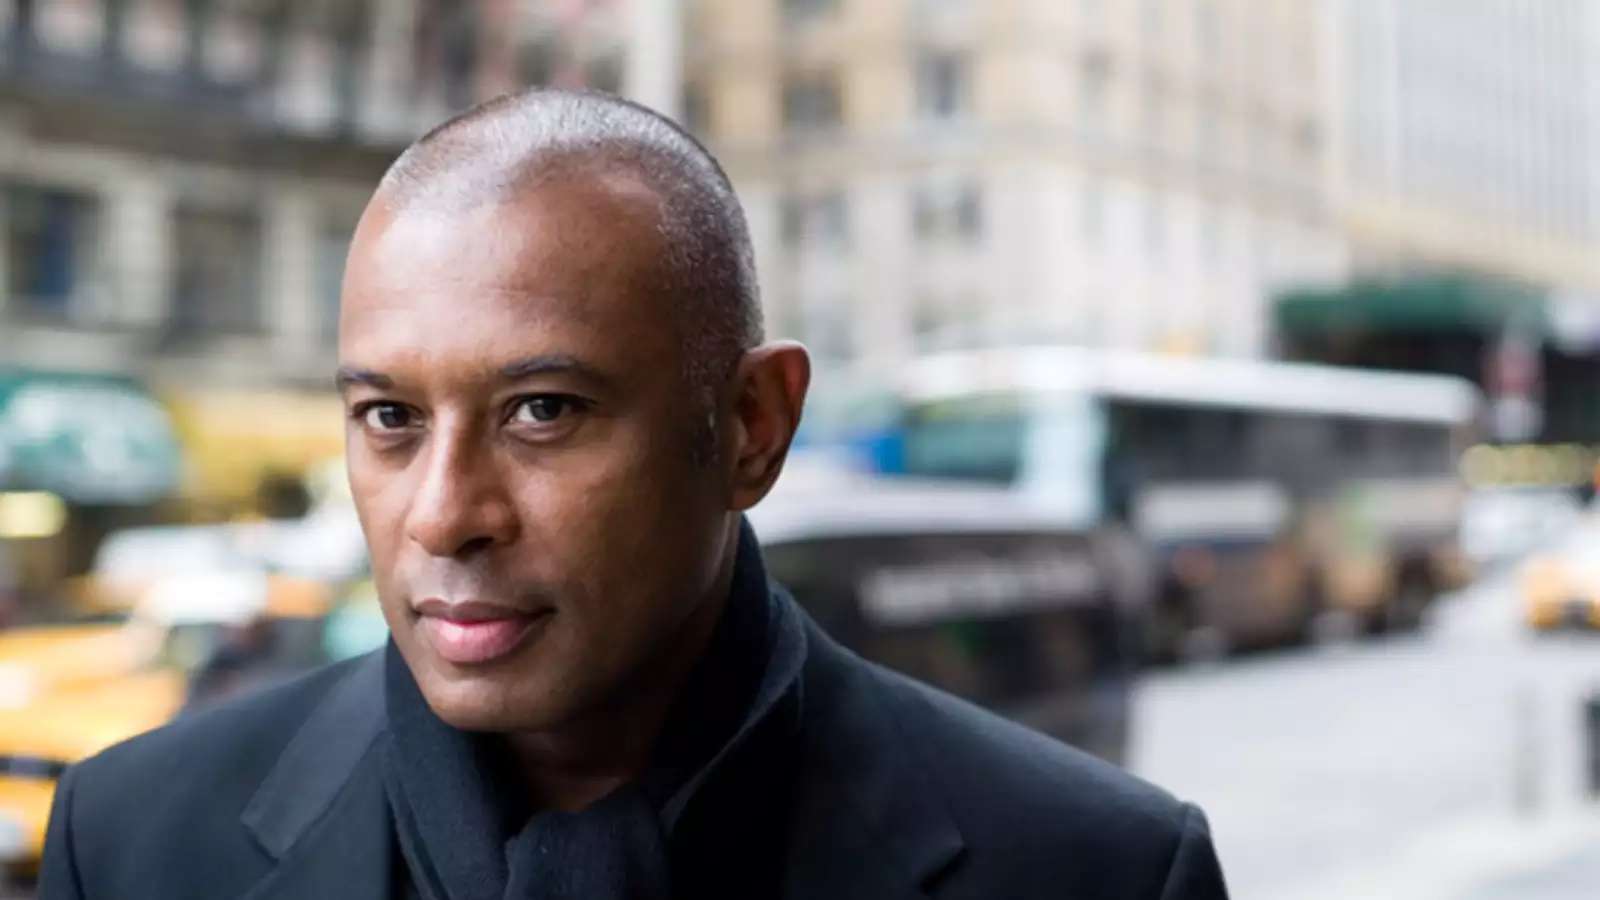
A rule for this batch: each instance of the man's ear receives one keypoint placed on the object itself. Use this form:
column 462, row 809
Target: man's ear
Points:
column 770, row 392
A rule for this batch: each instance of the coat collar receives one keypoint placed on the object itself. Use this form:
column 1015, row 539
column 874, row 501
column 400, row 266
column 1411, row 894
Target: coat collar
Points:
column 321, row 812
column 867, row 821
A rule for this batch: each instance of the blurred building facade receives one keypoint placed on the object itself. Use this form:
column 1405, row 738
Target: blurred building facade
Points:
column 930, row 173
column 181, row 176
column 179, row 180
column 1469, row 136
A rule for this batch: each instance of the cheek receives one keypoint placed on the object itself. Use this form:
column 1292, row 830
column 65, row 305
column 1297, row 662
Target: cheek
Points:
column 587, row 506
column 625, row 512
column 381, row 499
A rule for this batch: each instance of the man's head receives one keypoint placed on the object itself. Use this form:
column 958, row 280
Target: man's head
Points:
column 558, row 405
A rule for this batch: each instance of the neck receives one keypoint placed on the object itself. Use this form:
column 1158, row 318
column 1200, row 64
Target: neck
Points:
column 570, row 767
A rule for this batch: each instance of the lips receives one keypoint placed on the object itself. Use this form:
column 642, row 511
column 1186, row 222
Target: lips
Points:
column 475, row 633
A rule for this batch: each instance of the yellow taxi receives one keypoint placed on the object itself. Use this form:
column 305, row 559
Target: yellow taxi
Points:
column 69, row 691
column 1560, row 585
column 40, row 739
column 1561, row 590
column 34, row 660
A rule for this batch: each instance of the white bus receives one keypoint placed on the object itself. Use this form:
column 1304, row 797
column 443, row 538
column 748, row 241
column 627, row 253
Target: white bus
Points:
column 1270, row 493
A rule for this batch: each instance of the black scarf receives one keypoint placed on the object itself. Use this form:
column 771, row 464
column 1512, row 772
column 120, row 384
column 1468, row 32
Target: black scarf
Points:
column 706, row 816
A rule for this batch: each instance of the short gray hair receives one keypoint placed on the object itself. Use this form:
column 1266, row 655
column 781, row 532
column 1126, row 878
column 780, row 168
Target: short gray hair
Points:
column 493, row 149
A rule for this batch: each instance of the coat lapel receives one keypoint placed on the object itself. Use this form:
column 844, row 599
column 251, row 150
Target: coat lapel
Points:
column 867, row 822
column 347, row 855
column 321, row 812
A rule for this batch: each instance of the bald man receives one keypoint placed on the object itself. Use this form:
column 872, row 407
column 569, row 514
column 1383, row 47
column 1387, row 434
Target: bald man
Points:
column 559, row 405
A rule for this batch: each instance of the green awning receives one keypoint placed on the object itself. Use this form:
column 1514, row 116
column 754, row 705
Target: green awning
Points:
column 1433, row 305
column 91, row 439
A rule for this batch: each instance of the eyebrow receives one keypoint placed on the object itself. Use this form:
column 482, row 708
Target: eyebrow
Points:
column 545, row 364
column 349, row 376
column 551, row 363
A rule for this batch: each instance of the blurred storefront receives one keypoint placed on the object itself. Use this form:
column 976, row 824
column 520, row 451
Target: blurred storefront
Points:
column 1534, row 356
column 84, row 455
column 250, row 453
column 80, row 455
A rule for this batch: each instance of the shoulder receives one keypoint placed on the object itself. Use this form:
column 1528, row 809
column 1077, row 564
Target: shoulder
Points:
column 981, row 760
column 1033, row 812
column 184, row 786
column 237, row 738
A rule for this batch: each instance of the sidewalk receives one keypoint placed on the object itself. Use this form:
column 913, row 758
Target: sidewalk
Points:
column 1499, row 858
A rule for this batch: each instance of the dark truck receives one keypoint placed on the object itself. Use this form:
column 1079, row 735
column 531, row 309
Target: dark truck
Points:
column 970, row 589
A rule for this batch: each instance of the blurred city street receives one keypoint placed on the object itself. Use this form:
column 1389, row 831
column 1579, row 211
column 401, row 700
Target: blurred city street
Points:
column 1255, row 341
column 1444, row 765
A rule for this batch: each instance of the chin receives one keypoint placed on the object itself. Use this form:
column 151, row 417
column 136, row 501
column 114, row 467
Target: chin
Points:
column 476, row 718
column 481, row 704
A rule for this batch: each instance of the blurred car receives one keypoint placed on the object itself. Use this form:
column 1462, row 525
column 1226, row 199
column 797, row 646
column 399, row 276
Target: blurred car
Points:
column 325, row 547
column 1560, row 588
column 972, row 589
column 40, row 739
column 44, row 658
column 68, row 691
column 1504, row 524
column 130, row 560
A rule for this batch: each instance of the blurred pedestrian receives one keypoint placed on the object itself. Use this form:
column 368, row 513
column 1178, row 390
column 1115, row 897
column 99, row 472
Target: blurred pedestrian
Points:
column 560, row 404
column 246, row 658
column 10, row 590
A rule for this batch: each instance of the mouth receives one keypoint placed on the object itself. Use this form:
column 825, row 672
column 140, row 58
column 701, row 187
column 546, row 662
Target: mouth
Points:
column 473, row 633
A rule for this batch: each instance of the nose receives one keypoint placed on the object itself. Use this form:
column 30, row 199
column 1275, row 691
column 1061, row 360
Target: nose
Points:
column 461, row 507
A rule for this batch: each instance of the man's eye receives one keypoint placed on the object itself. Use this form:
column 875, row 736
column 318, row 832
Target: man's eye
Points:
column 541, row 409
column 386, row 417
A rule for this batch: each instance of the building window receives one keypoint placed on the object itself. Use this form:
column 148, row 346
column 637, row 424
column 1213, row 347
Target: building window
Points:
column 1150, row 15
column 1155, row 117
column 540, row 57
column 812, row 100
column 234, row 49
column 459, row 45
column 816, row 220
column 50, row 241
column 1206, row 27
column 946, row 322
column 155, row 36
column 217, row 282
column 941, row 84
column 929, row 8
column 333, row 245
column 1094, row 87
column 804, row 10
column 1155, row 225
column 1307, row 137
column 1208, row 136
column 826, row 326
column 348, row 65
column 948, row 211
column 70, row 27
column 696, row 109
column 604, row 73
column 1092, row 212
column 1210, row 235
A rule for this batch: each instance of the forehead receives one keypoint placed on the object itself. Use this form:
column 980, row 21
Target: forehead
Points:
column 560, row 267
